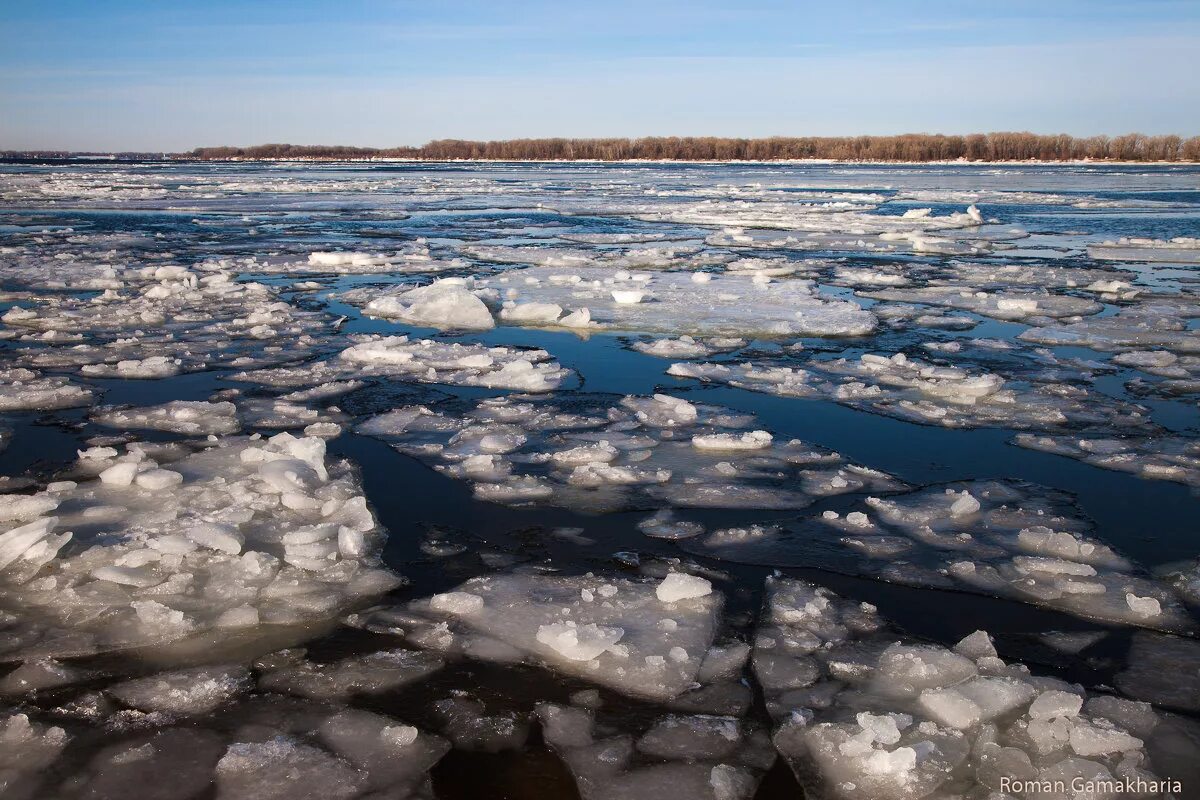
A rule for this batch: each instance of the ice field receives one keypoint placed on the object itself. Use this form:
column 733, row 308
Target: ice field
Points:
column 391, row 480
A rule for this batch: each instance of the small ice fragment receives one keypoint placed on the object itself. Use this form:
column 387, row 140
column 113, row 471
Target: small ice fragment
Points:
column 681, row 586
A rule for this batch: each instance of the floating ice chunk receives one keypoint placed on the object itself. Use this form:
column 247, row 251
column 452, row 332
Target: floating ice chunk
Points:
column 178, row 416
column 688, row 347
column 921, row 392
column 395, row 756
column 1153, row 457
column 614, row 639
column 681, row 586
column 601, row 456
column 1143, row 606
column 26, row 390
column 443, row 304
column 283, row 769
column 733, row 304
column 457, row 603
column 754, row 440
column 1182, row 249
column 205, row 554
column 427, row 361
column 1055, row 703
column 869, row 715
column 964, row 505
column 370, row 674
column 627, row 296
column 578, row 642
column 663, row 525
column 532, row 313
column 1019, row 541
column 225, row 538
column 185, row 692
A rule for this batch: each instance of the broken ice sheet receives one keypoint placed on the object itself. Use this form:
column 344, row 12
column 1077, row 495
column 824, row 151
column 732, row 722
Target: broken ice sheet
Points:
column 415, row 257
column 1003, row 538
column 249, row 534
column 688, row 347
column 863, row 712
column 1150, row 322
column 614, row 632
column 671, row 302
column 197, row 690
column 1182, row 249
column 929, row 393
column 655, row 256
column 27, row 390
column 291, row 673
column 422, row 361
column 600, row 453
column 1003, row 304
column 159, row 321
column 191, row 418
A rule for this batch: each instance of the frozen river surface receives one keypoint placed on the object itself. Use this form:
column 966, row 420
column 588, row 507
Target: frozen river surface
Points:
column 533, row 481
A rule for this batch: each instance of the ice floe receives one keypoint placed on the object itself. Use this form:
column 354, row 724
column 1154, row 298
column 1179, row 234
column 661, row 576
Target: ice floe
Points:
column 673, row 302
column 863, row 712
column 251, row 532
column 1003, row 538
column 619, row 453
column 614, row 632
column 1181, row 249
column 919, row 391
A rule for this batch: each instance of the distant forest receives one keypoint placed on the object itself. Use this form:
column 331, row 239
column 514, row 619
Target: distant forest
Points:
column 907, row 147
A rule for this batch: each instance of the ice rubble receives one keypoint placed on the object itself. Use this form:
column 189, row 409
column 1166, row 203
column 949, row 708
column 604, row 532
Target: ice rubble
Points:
column 671, row 302
column 412, row 257
column 862, row 712
column 689, row 347
column 192, row 418
column 26, row 390
column 374, row 673
column 1180, row 250
column 160, row 321
column 253, row 532
column 816, row 217
column 422, row 361
column 694, row 756
column 614, row 632
column 1003, row 538
column 667, row 256
column 1003, row 304
column 924, row 392
column 611, row 453
column 995, row 280
column 198, row 690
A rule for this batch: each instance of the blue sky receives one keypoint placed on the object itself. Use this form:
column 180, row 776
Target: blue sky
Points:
column 164, row 75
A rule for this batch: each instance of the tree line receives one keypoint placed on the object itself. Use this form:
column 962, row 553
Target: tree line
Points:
column 906, row 147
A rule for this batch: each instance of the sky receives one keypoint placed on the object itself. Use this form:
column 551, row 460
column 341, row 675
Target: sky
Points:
column 171, row 76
